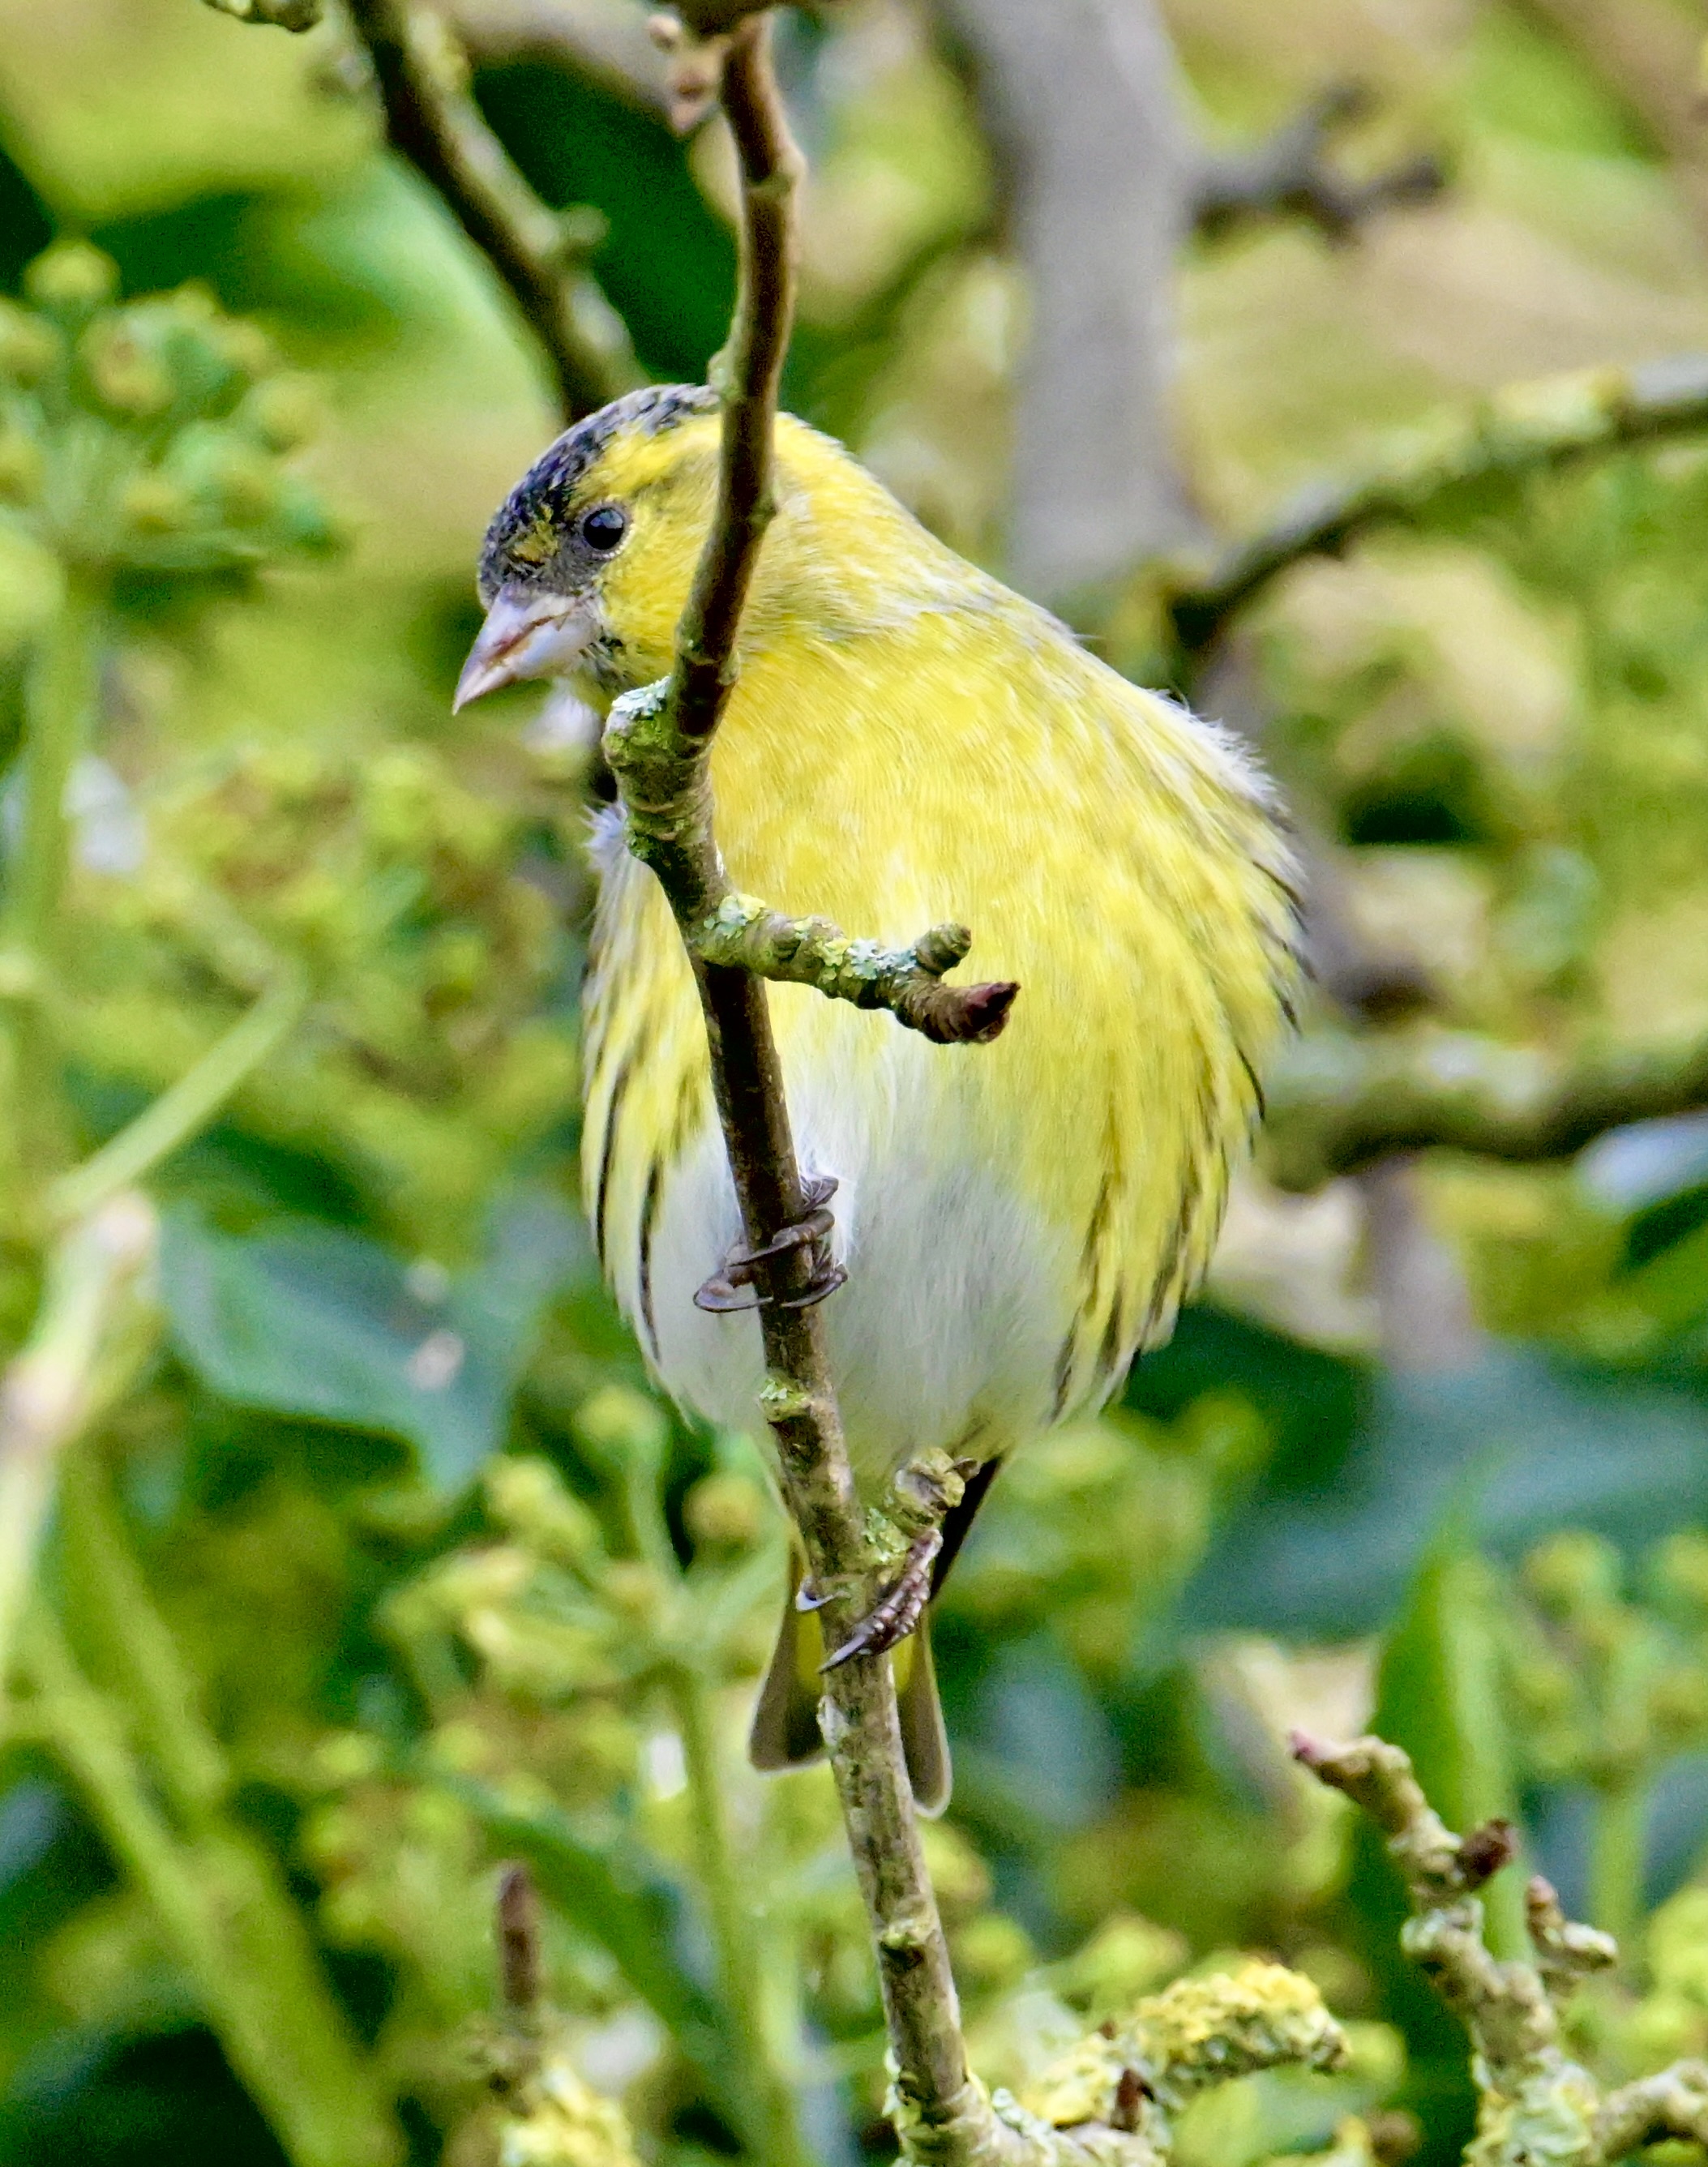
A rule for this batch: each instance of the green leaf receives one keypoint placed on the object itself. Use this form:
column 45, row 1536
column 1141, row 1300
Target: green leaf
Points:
column 306, row 1319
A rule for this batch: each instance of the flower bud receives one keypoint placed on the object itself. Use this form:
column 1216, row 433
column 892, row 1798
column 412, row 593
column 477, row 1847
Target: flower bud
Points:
column 619, row 1422
column 284, row 412
column 154, row 504
column 124, row 371
column 72, row 278
column 725, row 1511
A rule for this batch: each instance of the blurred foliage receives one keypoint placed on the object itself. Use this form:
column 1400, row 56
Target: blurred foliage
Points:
column 392, row 1511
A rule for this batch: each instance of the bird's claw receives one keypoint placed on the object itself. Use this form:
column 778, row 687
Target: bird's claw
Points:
column 735, row 1286
column 898, row 1609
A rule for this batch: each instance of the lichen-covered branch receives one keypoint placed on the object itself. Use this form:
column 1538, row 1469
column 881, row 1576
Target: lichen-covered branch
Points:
column 1533, row 2102
column 1523, row 430
column 1290, row 172
column 432, row 120
column 1115, row 2095
column 658, row 746
column 1343, row 1101
column 661, row 769
column 744, row 935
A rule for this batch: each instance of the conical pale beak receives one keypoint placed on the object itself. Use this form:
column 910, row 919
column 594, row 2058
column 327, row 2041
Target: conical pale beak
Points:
column 526, row 636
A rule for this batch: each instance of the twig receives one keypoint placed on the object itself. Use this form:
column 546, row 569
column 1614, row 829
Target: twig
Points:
column 519, row 1973
column 1343, row 1101
column 1526, row 429
column 738, row 932
column 1290, row 172
column 431, row 119
column 1533, row 2103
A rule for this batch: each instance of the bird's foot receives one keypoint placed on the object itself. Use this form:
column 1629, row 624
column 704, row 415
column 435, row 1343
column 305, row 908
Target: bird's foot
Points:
column 737, row 1287
column 898, row 1609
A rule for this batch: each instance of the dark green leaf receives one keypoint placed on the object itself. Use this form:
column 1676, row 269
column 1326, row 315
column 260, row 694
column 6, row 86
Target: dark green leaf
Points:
column 302, row 1319
column 1323, row 1545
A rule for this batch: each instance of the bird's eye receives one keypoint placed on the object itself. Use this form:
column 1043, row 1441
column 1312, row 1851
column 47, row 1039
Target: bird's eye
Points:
column 604, row 527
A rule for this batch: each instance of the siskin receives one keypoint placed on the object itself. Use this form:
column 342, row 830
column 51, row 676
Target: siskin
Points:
column 908, row 742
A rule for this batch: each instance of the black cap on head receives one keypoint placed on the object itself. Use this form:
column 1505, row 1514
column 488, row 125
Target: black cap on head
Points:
column 538, row 504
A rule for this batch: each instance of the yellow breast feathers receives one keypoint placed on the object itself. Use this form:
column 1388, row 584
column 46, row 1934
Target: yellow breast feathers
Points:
column 908, row 743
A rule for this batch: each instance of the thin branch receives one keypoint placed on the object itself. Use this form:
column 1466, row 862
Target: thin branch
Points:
column 431, row 119
column 742, row 934
column 521, row 1965
column 1290, row 172
column 1342, row 1101
column 659, row 749
column 1526, row 429
column 1533, row 2102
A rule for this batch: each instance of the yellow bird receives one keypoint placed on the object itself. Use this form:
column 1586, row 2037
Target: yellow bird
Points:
column 908, row 742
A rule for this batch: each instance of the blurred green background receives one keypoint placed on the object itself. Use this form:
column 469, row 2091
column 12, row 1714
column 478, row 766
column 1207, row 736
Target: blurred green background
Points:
column 383, row 1567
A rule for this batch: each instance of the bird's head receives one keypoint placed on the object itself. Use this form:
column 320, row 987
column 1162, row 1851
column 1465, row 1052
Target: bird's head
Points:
column 586, row 567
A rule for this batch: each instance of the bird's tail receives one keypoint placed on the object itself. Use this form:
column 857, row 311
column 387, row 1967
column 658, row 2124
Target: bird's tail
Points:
column 786, row 1733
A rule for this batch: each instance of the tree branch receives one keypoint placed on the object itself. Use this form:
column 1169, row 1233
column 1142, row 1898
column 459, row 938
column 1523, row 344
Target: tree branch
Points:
column 1533, row 2102
column 1290, row 172
column 1343, row 1101
column 1081, row 100
column 431, row 119
column 658, row 747
column 1526, row 429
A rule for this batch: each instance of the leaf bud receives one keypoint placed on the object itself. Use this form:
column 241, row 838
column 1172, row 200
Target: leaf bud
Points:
column 725, row 1511
column 154, row 504
column 285, row 412
column 620, row 1424
column 125, row 371
column 73, row 278
column 1572, row 1574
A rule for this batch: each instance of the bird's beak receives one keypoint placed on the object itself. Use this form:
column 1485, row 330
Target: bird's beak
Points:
column 527, row 636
